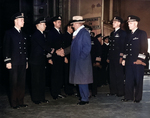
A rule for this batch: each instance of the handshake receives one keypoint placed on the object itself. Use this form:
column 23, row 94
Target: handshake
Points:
column 60, row 52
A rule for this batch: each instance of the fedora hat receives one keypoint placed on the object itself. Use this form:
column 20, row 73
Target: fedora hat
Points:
column 77, row 19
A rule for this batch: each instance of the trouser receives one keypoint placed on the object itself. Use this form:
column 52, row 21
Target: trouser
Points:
column 68, row 88
column 93, row 86
column 84, row 92
column 116, row 78
column 57, row 76
column 134, row 82
column 37, row 82
column 17, row 84
column 105, row 74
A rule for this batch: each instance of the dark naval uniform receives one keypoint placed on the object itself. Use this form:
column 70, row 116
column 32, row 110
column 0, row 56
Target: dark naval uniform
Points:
column 67, row 39
column 55, row 41
column 104, row 63
column 135, row 49
column 15, row 52
column 96, row 58
column 37, row 61
column 117, row 40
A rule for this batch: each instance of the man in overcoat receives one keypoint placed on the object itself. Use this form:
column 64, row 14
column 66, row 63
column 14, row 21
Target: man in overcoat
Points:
column 80, row 59
column 133, row 60
column 15, row 56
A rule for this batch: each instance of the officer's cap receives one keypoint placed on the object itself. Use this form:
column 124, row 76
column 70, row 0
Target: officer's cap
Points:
column 106, row 37
column 56, row 18
column 17, row 15
column 133, row 18
column 98, row 35
column 40, row 20
column 117, row 18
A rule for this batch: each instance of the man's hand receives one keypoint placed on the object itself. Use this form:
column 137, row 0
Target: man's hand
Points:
column 120, row 60
column 123, row 63
column 107, row 60
column 66, row 60
column 97, row 65
column 26, row 65
column 8, row 66
column 139, row 62
column 60, row 52
column 50, row 62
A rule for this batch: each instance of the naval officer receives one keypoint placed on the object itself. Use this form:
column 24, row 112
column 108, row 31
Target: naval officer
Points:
column 55, row 40
column 37, row 61
column 117, row 39
column 133, row 59
column 15, row 56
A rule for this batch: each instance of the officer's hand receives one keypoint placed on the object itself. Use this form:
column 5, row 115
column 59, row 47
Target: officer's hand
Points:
column 8, row 66
column 107, row 60
column 120, row 60
column 26, row 65
column 97, row 65
column 139, row 62
column 60, row 52
column 66, row 60
column 123, row 62
column 50, row 61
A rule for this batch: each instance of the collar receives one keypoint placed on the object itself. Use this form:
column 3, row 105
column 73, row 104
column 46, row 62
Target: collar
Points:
column 106, row 43
column 76, row 32
column 40, row 31
column 134, row 30
column 57, row 29
column 17, row 29
column 69, row 33
column 117, row 29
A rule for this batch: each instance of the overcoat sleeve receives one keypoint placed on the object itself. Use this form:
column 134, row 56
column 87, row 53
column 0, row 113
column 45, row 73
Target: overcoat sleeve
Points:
column 86, row 45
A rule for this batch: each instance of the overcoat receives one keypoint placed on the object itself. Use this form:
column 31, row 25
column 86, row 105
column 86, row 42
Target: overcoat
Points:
column 80, row 59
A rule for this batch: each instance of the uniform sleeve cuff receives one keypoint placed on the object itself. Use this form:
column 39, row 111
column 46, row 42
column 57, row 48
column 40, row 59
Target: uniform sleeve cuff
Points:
column 49, row 55
column 141, row 56
column 7, row 59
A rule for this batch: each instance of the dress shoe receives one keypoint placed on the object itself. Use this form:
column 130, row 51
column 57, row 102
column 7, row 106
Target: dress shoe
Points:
column 126, row 100
column 93, row 95
column 110, row 94
column 55, row 98
column 61, row 96
column 16, row 107
column 37, row 102
column 136, row 101
column 23, row 105
column 77, row 95
column 83, row 102
column 120, row 95
column 45, row 101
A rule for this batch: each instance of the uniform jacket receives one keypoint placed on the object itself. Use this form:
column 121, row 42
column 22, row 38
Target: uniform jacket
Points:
column 117, row 40
column 67, row 39
column 15, row 51
column 38, row 48
column 96, row 50
column 105, row 50
column 136, row 47
column 80, row 59
column 55, row 40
